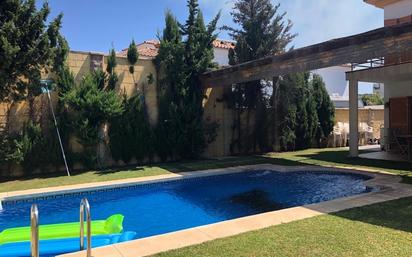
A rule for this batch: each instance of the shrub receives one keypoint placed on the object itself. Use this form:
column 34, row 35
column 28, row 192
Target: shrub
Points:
column 91, row 107
column 130, row 134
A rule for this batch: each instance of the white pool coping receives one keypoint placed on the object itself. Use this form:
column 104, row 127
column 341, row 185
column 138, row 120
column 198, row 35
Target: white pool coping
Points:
column 390, row 189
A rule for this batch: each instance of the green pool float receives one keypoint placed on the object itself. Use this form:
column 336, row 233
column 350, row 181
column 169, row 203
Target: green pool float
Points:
column 112, row 225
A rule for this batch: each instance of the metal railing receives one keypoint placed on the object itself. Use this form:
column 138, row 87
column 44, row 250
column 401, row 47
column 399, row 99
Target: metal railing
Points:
column 34, row 225
column 85, row 207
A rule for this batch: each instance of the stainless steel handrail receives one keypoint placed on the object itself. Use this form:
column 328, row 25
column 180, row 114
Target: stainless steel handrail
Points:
column 34, row 226
column 85, row 207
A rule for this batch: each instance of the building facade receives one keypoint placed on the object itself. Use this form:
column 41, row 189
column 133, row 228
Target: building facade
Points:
column 395, row 74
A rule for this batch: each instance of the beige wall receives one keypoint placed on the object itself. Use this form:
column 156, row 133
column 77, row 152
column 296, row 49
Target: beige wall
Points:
column 215, row 109
column 80, row 64
column 373, row 117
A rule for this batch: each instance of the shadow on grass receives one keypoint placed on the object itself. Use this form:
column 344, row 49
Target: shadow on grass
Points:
column 393, row 214
column 341, row 157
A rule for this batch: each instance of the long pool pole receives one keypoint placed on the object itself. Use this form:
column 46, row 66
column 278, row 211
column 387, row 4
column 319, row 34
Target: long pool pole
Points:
column 58, row 133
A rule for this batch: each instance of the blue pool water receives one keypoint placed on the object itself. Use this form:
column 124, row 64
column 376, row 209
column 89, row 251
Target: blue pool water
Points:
column 170, row 206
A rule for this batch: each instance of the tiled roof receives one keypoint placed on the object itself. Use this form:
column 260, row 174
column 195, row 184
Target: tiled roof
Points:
column 150, row 48
column 224, row 44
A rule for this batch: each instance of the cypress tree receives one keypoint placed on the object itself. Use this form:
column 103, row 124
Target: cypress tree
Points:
column 307, row 119
column 197, row 59
column 261, row 31
column 132, row 57
column 169, row 63
column 325, row 109
column 110, row 69
column 28, row 45
column 181, row 62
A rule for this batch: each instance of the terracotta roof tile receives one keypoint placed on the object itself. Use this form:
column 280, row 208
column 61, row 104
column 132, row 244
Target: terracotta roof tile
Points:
column 224, row 44
column 150, row 48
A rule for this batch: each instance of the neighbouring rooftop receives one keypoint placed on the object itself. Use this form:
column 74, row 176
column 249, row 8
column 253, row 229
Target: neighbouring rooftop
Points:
column 150, row 48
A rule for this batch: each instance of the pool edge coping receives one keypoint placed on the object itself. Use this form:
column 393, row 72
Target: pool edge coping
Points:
column 84, row 187
column 390, row 184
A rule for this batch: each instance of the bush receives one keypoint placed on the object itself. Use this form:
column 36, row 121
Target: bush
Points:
column 91, row 107
column 130, row 134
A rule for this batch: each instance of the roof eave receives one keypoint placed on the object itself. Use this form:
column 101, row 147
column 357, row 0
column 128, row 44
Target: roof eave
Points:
column 380, row 3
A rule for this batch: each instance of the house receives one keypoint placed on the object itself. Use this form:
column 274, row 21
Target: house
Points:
column 337, row 85
column 150, row 48
column 396, row 75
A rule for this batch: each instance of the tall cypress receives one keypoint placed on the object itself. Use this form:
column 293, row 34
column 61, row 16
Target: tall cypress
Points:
column 198, row 59
column 169, row 63
column 132, row 58
column 262, row 30
column 110, row 68
column 325, row 109
column 181, row 62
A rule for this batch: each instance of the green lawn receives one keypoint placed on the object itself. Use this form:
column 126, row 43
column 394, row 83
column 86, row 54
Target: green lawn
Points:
column 328, row 157
column 377, row 230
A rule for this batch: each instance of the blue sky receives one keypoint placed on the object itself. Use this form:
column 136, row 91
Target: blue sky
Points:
column 96, row 25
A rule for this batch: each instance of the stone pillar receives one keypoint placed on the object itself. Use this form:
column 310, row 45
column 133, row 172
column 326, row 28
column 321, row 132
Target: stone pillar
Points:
column 353, row 118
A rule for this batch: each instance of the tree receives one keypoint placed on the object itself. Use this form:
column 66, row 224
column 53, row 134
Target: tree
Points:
column 325, row 108
column 306, row 110
column 198, row 58
column 27, row 46
column 181, row 96
column 170, row 61
column 91, row 107
column 372, row 99
column 130, row 133
column 132, row 57
column 307, row 118
column 261, row 31
column 110, row 69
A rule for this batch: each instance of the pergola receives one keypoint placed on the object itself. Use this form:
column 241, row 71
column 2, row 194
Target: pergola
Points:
column 360, row 48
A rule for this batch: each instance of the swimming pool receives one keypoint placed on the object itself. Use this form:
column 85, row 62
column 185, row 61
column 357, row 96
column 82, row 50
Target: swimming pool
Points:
column 157, row 208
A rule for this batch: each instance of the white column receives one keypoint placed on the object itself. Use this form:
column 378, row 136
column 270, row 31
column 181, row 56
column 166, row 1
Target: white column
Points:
column 353, row 118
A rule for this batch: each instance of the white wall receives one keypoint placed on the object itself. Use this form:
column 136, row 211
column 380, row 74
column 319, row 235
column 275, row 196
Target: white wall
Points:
column 398, row 10
column 221, row 56
column 335, row 80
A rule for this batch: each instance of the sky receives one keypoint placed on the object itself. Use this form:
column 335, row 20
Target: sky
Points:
column 99, row 25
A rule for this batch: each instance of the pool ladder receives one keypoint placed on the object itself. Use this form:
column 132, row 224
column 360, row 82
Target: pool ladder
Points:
column 85, row 207
column 34, row 225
